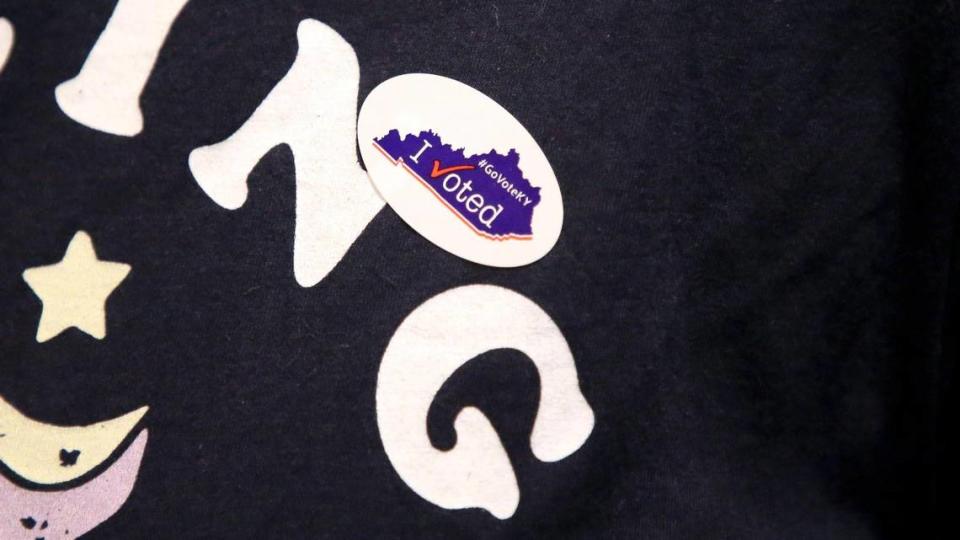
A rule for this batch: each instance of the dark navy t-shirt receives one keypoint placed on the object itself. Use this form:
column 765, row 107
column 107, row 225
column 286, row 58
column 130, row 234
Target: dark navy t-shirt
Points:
column 751, row 309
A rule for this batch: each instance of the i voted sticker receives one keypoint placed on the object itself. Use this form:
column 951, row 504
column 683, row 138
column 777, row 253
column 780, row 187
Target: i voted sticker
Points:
column 460, row 170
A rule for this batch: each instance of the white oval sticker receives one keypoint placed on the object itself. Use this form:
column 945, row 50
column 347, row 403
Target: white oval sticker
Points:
column 460, row 169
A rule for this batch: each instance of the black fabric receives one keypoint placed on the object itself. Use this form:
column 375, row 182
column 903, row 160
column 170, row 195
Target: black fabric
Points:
column 757, row 272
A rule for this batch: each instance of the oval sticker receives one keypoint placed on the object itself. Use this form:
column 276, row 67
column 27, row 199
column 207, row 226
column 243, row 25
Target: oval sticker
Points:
column 460, row 169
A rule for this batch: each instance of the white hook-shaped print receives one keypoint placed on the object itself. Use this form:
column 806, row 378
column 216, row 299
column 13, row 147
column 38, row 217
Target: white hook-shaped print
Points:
column 105, row 95
column 6, row 41
column 437, row 338
column 313, row 109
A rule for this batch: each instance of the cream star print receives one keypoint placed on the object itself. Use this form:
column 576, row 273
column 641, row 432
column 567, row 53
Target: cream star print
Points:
column 74, row 291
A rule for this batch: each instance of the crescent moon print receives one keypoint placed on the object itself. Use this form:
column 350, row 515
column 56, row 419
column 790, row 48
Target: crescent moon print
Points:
column 6, row 41
column 438, row 337
column 30, row 514
column 48, row 454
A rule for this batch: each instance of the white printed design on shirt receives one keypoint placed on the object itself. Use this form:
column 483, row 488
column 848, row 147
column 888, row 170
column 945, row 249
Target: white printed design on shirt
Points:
column 6, row 41
column 313, row 109
column 438, row 337
column 105, row 95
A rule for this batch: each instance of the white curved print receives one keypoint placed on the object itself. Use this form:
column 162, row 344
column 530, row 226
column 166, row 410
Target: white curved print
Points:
column 312, row 109
column 436, row 339
column 105, row 95
column 6, row 41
